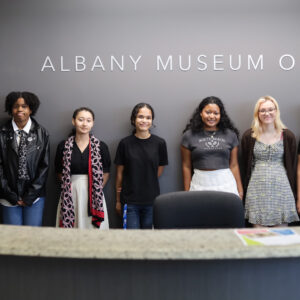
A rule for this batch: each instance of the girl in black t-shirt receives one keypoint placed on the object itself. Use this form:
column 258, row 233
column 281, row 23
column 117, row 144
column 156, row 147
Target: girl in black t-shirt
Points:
column 140, row 160
column 82, row 163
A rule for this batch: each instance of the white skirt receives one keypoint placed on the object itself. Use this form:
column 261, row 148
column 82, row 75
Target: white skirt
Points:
column 217, row 180
column 80, row 201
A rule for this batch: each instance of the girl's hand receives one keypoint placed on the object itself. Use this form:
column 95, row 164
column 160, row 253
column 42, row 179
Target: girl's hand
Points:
column 21, row 203
column 119, row 209
column 298, row 206
column 241, row 194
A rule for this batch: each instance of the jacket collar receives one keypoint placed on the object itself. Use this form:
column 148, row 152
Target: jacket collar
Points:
column 8, row 130
column 7, row 127
column 26, row 127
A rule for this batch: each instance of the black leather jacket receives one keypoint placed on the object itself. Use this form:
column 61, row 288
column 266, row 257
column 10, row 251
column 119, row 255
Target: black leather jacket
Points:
column 38, row 157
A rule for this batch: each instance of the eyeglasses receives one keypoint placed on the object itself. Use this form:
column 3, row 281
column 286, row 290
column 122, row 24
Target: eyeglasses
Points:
column 265, row 111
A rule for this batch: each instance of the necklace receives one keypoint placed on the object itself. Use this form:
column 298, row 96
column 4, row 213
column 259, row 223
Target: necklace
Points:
column 211, row 134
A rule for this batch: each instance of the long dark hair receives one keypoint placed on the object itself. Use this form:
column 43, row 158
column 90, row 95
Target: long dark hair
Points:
column 135, row 112
column 196, row 123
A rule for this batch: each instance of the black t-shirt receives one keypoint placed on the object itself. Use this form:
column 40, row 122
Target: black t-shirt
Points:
column 299, row 148
column 80, row 160
column 141, row 158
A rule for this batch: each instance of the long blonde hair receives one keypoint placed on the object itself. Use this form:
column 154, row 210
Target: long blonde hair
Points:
column 256, row 124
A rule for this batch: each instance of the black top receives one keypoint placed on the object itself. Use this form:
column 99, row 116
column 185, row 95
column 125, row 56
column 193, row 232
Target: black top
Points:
column 79, row 160
column 141, row 158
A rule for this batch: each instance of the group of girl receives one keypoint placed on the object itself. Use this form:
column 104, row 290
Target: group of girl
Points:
column 209, row 151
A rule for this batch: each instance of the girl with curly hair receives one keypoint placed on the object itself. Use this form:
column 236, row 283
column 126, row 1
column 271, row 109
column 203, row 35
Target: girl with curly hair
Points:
column 24, row 161
column 209, row 150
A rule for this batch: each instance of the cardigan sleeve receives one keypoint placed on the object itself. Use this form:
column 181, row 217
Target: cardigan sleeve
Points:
column 247, row 144
column 290, row 157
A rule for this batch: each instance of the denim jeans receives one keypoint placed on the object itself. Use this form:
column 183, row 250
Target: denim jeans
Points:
column 24, row 215
column 139, row 216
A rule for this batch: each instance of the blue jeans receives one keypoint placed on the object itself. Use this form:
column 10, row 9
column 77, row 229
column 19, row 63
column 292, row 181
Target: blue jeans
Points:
column 139, row 216
column 24, row 215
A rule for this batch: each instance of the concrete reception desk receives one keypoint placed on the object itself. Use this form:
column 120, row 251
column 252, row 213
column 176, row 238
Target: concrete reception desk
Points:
column 53, row 263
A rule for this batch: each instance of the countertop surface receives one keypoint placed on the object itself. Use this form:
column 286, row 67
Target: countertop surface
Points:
column 121, row 244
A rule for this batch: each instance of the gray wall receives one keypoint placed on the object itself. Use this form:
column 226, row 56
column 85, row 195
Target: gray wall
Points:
column 31, row 30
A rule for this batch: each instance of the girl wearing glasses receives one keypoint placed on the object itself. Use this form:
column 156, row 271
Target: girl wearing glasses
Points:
column 269, row 152
column 209, row 150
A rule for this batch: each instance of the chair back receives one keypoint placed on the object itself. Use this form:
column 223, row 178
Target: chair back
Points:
column 198, row 209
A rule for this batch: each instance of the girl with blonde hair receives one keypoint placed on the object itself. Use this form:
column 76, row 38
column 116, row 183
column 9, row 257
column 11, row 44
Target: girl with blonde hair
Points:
column 269, row 154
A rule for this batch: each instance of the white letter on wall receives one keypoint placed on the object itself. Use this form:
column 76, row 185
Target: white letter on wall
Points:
column 230, row 63
column 202, row 62
column 80, row 61
column 135, row 61
column 218, row 62
column 292, row 59
column 97, row 64
column 259, row 61
column 189, row 63
column 47, row 64
column 164, row 66
column 62, row 69
column 114, row 60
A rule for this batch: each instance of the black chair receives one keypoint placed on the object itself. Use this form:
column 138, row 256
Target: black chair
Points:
column 198, row 209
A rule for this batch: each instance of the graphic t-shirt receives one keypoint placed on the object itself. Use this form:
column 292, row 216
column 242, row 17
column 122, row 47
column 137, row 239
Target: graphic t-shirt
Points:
column 210, row 149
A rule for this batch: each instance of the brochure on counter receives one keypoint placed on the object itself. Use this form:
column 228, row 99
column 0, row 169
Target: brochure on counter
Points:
column 268, row 237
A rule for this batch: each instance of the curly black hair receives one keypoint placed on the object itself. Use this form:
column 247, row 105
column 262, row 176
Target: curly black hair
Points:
column 196, row 123
column 135, row 112
column 30, row 99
